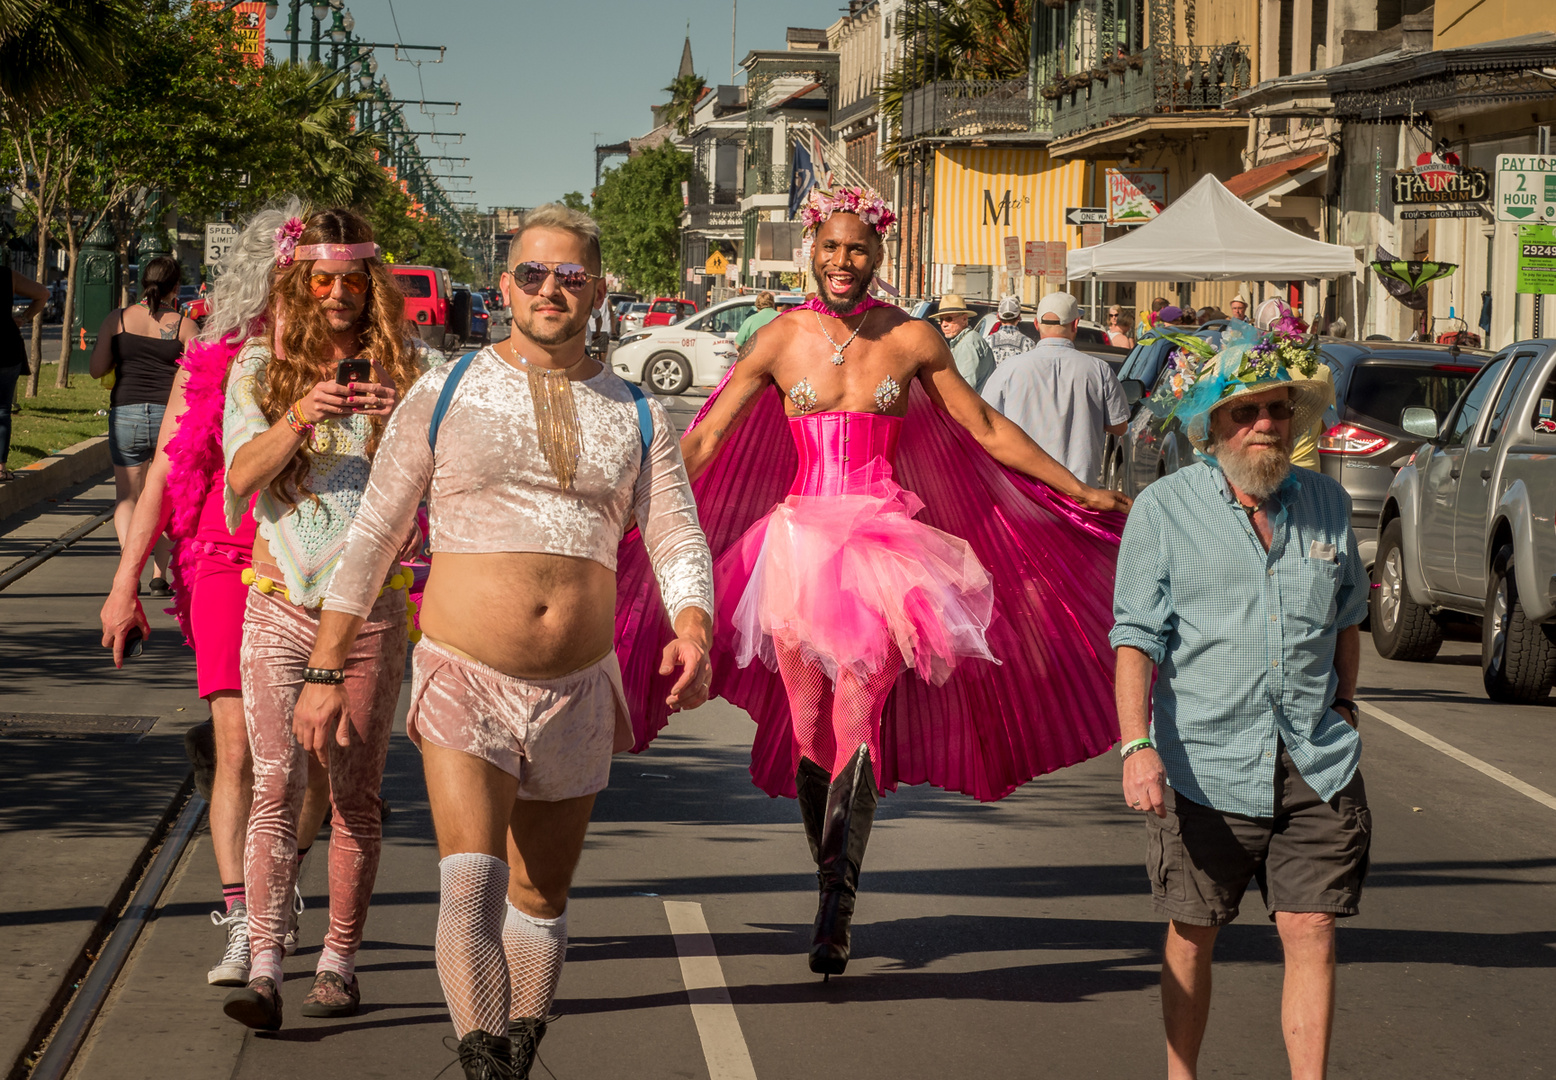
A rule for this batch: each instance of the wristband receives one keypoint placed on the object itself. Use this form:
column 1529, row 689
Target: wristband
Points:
column 1348, row 705
column 297, row 421
column 328, row 676
column 1133, row 745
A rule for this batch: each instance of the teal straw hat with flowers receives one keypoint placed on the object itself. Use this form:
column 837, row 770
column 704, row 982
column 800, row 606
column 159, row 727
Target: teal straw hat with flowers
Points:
column 1202, row 376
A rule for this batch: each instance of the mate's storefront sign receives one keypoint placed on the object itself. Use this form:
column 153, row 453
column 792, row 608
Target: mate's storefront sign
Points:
column 983, row 195
column 1440, row 178
column 1536, row 258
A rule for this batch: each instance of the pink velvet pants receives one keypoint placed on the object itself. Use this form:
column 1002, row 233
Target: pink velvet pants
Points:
column 278, row 637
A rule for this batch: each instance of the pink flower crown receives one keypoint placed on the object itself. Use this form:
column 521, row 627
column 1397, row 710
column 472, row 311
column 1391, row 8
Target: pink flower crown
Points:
column 286, row 241
column 861, row 201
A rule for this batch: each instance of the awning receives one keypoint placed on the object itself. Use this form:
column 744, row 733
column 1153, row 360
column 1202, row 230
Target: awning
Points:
column 1209, row 234
column 1288, row 174
column 984, row 194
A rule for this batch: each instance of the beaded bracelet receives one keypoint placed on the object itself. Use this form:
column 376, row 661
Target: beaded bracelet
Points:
column 297, row 422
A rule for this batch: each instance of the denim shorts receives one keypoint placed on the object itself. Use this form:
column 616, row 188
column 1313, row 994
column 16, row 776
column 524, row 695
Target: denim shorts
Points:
column 132, row 433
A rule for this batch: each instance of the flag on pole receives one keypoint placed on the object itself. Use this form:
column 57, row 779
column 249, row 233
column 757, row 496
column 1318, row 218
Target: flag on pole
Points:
column 802, row 179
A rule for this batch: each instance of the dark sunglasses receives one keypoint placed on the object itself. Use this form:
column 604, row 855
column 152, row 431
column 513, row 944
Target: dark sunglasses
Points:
column 322, row 284
column 1247, row 414
column 530, row 276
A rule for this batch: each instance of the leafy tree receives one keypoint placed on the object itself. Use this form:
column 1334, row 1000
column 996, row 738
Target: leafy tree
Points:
column 685, row 91
column 52, row 50
column 314, row 148
column 574, row 200
column 638, row 206
column 957, row 39
column 408, row 235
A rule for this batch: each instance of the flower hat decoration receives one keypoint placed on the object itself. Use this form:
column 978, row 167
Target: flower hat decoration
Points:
column 286, row 241
column 870, row 208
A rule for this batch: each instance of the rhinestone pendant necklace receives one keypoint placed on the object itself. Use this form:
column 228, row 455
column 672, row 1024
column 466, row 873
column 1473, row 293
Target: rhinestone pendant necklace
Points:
column 837, row 350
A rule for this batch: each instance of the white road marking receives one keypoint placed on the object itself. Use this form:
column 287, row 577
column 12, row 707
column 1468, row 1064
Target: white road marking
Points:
column 723, row 1043
column 1454, row 752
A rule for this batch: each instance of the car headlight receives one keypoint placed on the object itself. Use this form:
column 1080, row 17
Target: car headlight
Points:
column 630, row 338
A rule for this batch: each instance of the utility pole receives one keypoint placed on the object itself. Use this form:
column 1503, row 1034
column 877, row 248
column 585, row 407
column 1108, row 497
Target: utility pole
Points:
column 734, row 11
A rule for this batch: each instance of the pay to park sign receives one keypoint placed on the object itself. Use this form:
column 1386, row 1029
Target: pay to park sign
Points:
column 1537, row 259
column 1526, row 187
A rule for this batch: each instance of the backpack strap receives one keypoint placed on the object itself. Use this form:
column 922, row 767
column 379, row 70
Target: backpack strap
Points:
column 446, row 396
column 645, row 418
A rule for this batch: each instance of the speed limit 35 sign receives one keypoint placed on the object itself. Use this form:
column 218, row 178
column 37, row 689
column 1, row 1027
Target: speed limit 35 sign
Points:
column 219, row 238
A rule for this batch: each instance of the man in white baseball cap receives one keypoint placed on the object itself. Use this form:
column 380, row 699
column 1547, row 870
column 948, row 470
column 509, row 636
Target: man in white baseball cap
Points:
column 1066, row 400
column 1007, row 337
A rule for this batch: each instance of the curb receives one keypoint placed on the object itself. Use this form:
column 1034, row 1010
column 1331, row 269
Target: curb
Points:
column 60, row 470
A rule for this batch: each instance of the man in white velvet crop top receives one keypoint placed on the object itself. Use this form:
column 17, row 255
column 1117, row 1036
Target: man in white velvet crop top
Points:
column 535, row 470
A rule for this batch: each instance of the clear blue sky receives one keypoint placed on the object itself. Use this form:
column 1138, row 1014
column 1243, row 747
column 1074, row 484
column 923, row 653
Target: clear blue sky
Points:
column 538, row 80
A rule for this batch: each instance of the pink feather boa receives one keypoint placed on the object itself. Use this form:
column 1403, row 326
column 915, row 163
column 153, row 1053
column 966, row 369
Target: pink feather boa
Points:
column 195, row 454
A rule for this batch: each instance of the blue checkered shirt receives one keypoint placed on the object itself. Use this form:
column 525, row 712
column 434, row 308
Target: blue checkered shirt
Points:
column 1243, row 639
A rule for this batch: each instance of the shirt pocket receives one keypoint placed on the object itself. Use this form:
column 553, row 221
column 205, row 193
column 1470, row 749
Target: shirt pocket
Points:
column 1310, row 591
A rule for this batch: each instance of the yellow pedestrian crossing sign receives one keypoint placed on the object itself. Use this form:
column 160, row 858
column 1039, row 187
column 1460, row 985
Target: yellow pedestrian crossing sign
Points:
column 716, row 266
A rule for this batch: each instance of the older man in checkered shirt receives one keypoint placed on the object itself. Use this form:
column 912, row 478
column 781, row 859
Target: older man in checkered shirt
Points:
column 1240, row 584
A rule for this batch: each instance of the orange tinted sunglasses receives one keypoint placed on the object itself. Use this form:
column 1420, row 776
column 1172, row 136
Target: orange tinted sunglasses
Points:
column 356, row 281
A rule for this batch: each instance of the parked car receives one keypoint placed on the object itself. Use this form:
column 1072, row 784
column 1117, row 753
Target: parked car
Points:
column 697, row 352
column 666, row 310
column 1466, row 527
column 430, row 305
column 1149, row 448
column 194, row 303
column 632, row 318
column 618, row 302
column 480, row 319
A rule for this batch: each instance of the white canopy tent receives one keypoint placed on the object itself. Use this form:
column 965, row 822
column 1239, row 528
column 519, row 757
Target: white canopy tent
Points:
column 1209, row 234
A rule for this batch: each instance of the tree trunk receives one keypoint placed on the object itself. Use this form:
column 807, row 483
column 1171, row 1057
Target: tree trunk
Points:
column 37, row 320
column 62, row 380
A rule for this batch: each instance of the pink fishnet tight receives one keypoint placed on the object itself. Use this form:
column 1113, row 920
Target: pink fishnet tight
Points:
column 832, row 720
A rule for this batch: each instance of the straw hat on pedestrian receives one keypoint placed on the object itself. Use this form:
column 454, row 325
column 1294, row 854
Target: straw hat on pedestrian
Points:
column 952, row 304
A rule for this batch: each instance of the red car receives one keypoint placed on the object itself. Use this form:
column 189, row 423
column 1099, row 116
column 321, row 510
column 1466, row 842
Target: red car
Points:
column 667, row 309
column 429, row 304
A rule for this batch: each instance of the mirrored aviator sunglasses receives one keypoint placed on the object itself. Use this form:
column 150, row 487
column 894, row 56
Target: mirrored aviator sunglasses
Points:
column 1248, row 413
column 530, row 276
column 356, row 282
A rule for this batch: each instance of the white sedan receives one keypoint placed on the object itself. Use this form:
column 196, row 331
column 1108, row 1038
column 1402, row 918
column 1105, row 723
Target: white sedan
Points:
column 694, row 352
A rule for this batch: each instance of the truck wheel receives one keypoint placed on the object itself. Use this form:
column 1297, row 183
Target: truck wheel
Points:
column 1401, row 628
column 1517, row 658
column 668, row 373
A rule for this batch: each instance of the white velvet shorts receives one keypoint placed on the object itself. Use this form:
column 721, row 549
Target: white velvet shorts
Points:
column 556, row 736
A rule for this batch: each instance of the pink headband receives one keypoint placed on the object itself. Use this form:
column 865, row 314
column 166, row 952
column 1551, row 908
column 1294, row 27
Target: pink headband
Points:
column 338, row 252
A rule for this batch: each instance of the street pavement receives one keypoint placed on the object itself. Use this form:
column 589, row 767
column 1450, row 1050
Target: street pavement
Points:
column 1014, row 939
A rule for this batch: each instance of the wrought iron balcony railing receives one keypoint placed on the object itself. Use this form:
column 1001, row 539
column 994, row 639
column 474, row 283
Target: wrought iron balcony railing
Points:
column 963, row 108
column 1162, row 79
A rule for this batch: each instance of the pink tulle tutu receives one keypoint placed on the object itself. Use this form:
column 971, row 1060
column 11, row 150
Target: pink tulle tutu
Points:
column 844, row 576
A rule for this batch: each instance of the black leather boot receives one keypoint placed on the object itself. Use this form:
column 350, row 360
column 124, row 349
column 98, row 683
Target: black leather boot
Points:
column 811, row 782
column 525, row 1035
column 485, row 1056
column 845, row 832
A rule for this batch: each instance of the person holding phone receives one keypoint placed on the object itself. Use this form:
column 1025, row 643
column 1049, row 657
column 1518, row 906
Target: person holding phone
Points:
column 304, row 440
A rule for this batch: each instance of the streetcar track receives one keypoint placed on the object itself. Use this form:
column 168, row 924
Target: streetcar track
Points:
column 27, row 565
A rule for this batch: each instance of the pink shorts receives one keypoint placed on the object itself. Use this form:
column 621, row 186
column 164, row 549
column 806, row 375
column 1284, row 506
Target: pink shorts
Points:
column 555, row 735
column 217, row 598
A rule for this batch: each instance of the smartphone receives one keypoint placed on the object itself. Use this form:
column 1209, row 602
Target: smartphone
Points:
column 134, row 644
column 349, row 371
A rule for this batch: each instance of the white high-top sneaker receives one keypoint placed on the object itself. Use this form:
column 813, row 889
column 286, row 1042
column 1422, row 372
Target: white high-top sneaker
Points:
column 233, row 968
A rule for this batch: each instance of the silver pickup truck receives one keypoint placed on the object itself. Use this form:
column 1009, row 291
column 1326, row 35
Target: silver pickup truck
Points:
column 1467, row 527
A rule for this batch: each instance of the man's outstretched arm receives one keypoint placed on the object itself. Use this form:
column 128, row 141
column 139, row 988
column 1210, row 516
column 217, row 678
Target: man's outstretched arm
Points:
column 702, row 444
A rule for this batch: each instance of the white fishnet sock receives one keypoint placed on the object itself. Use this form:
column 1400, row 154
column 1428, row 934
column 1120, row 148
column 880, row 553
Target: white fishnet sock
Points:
column 535, row 950
column 469, row 947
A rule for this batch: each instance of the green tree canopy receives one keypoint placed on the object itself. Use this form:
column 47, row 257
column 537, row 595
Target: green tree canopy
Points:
column 638, row 206
column 685, row 91
column 52, row 50
column 574, row 200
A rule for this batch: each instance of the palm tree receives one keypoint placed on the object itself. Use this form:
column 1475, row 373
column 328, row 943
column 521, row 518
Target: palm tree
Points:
column 51, row 50
column 685, row 91
column 329, row 159
column 956, row 40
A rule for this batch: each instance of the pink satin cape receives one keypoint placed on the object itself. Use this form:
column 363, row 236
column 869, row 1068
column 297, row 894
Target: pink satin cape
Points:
column 989, row 728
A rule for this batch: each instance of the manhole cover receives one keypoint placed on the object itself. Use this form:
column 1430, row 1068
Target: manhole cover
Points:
column 74, row 726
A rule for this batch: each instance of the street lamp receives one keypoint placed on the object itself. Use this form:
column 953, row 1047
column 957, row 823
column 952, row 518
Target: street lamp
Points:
column 271, row 7
column 337, row 30
column 347, row 21
column 372, row 65
column 321, row 9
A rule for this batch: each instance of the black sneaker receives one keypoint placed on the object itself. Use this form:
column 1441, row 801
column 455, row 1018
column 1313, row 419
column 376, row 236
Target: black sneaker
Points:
column 484, row 1056
column 257, row 1005
column 200, row 748
column 160, row 587
column 525, row 1034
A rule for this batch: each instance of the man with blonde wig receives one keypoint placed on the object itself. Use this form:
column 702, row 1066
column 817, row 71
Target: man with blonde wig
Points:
column 534, row 459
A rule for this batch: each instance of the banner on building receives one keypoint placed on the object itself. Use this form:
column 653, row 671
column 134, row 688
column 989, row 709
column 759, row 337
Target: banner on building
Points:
column 248, row 20
column 1135, row 196
column 1439, row 178
column 983, row 195
column 802, row 179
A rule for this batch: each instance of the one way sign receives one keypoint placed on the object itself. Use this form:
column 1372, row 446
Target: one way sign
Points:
column 1086, row 215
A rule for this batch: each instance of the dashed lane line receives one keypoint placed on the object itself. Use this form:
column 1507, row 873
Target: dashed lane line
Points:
column 723, row 1043
column 1508, row 779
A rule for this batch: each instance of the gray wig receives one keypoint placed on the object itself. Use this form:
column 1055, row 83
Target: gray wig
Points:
column 242, row 290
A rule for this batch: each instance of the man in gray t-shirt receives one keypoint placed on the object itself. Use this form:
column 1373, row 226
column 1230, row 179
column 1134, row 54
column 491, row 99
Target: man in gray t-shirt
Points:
column 1066, row 400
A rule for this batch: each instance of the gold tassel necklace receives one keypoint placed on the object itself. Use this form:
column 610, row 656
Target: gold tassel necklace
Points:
column 556, row 416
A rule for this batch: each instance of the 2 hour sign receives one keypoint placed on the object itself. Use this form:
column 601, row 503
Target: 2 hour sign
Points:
column 1526, row 187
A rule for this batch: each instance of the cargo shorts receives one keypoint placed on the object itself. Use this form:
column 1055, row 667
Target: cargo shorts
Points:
column 1310, row 856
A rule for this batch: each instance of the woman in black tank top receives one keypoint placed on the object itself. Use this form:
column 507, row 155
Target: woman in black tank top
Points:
column 13, row 353
column 141, row 345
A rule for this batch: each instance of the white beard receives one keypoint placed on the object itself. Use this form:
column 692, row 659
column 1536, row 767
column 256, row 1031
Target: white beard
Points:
column 1254, row 470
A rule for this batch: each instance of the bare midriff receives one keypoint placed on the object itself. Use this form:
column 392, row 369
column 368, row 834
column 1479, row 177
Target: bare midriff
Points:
column 529, row 615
